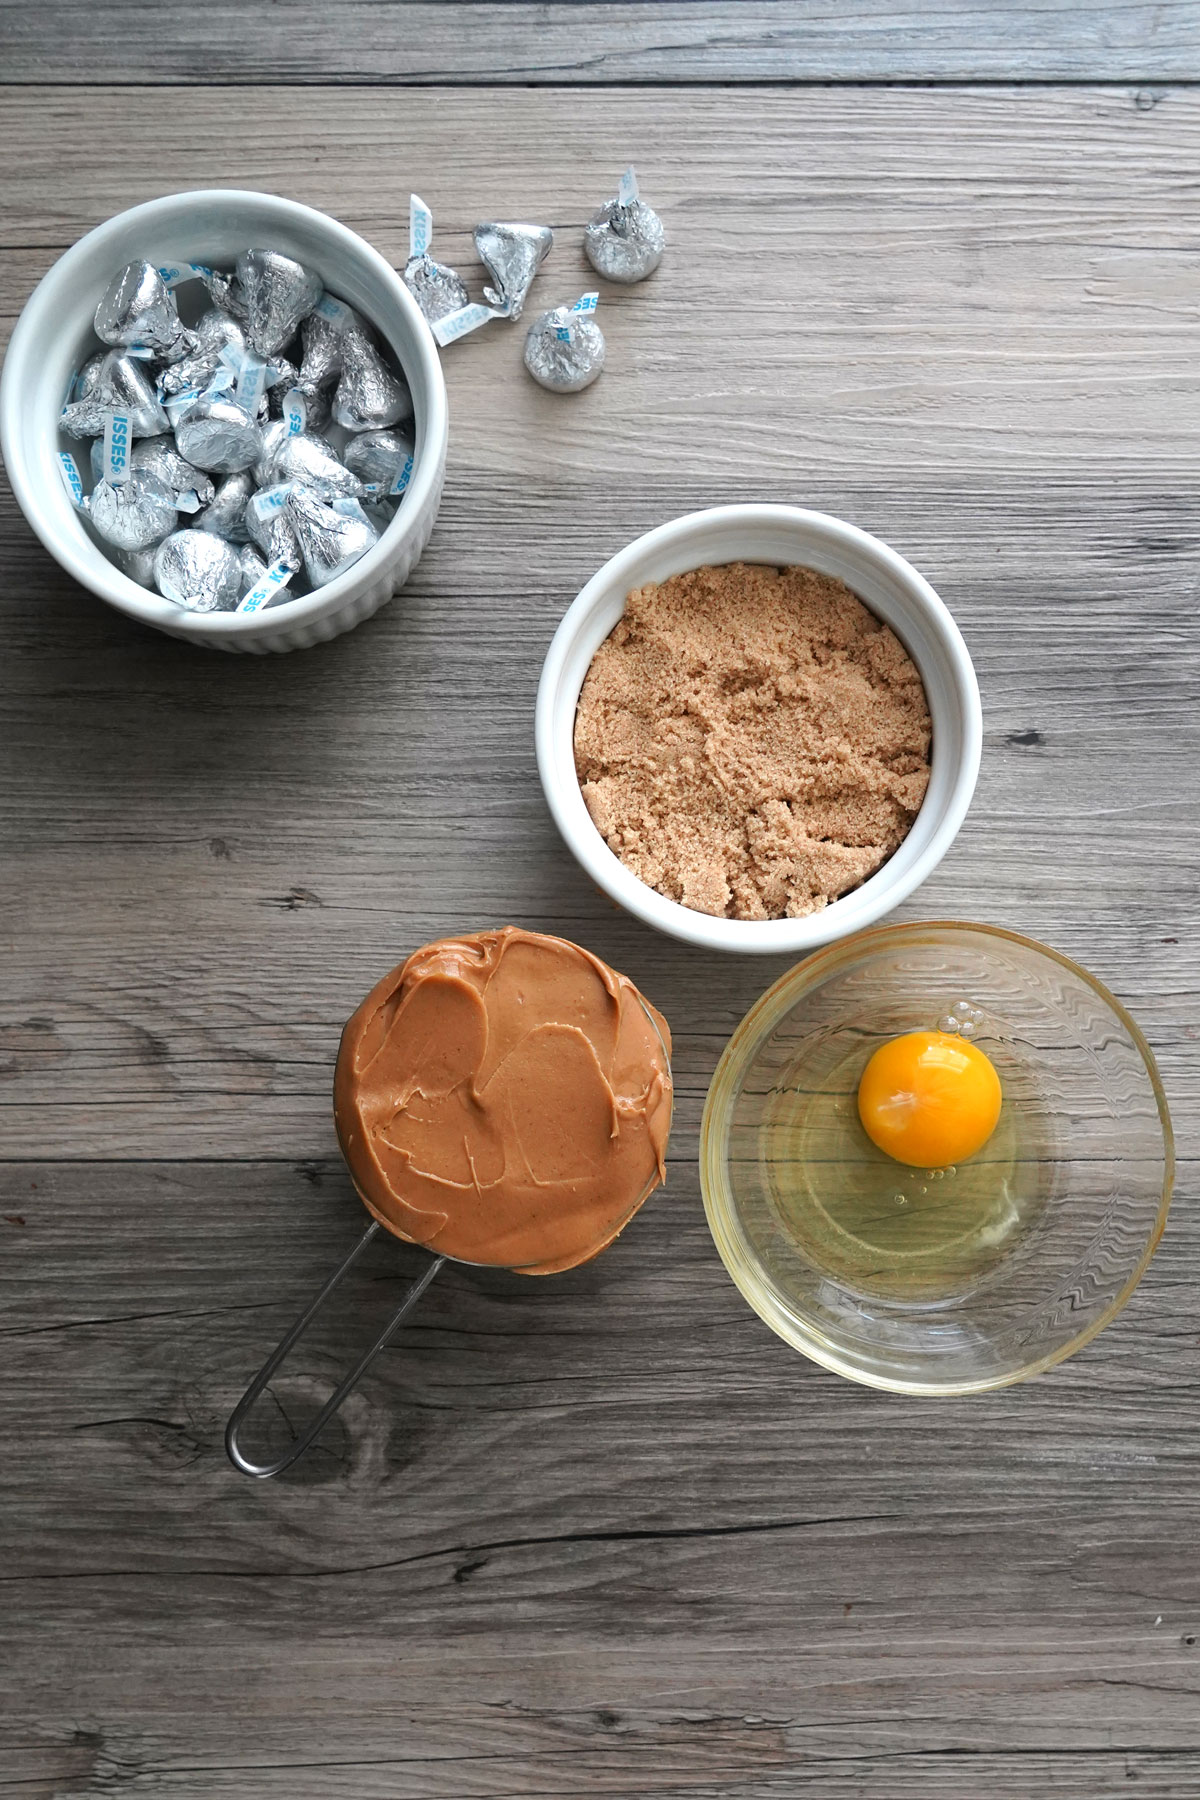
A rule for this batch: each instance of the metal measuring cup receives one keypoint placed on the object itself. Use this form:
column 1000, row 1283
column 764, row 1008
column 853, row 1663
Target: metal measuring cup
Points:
column 263, row 1470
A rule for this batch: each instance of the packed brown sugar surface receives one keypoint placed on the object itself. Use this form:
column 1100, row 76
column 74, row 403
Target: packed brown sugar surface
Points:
column 752, row 742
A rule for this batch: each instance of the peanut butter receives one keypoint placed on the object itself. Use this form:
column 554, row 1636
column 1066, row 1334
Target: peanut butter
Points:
column 505, row 1098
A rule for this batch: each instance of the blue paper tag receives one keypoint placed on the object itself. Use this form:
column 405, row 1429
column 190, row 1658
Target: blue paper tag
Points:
column 336, row 311
column 70, row 474
column 251, row 382
column 467, row 318
column 118, row 442
column 175, row 405
column 271, row 500
column 420, row 226
column 295, row 412
column 175, row 274
column 348, row 507
column 266, row 588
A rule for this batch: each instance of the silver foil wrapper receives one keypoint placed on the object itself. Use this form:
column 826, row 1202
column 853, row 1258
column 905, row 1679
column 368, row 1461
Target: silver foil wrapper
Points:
column 368, row 395
column 219, row 435
column 624, row 242
column 138, row 308
column 252, row 566
column 379, row 514
column 85, row 418
column 322, row 342
column 134, row 515
column 312, row 462
column 258, row 522
column 198, row 571
column 214, row 331
column 274, row 435
column 160, row 456
column 379, row 457
column 277, row 293
column 330, row 541
column 512, row 256
column 318, row 406
column 437, row 290
column 226, row 294
column 279, row 392
column 564, row 350
column 88, row 376
column 282, row 543
column 274, row 535
column 281, row 375
column 120, row 384
column 226, row 516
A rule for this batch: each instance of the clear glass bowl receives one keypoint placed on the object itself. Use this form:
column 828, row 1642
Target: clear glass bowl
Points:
column 937, row 1281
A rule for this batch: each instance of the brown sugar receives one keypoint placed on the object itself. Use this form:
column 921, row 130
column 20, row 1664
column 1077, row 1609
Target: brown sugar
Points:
column 752, row 742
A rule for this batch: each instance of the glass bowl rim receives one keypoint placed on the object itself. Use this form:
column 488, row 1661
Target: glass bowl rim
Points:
column 737, row 1057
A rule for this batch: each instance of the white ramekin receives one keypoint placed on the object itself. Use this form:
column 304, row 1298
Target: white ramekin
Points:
column 54, row 334
column 892, row 588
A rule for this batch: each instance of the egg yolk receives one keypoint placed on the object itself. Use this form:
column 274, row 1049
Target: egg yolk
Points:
column 929, row 1099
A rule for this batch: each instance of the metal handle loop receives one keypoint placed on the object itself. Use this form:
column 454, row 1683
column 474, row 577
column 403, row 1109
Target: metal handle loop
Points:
column 295, row 1450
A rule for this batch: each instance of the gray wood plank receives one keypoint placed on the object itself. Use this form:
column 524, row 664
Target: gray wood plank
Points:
column 406, row 43
column 843, row 1595
column 245, row 883
column 858, row 283
column 1000, row 387
column 603, row 1535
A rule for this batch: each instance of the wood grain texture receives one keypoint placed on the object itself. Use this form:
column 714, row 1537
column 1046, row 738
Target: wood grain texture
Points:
column 842, row 1595
column 400, row 43
column 601, row 1536
column 860, row 283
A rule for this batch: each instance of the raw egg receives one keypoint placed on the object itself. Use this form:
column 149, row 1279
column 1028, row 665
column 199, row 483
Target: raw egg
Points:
column 929, row 1099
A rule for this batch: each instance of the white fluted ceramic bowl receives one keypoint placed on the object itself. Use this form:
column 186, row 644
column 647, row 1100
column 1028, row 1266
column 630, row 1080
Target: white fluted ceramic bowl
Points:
column 894, row 591
column 54, row 335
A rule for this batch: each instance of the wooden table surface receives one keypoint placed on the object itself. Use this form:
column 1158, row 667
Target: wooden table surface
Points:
column 934, row 271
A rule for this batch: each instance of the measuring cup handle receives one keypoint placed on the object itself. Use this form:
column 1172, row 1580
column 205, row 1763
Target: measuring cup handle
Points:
column 295, row 1450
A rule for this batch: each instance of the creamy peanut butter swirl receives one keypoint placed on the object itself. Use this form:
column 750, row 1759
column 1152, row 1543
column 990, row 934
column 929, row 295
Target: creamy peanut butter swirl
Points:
column 505, row 1098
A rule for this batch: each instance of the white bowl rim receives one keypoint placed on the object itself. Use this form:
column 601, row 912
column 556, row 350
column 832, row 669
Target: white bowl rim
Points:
column 864, row 905
column 110, row 583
